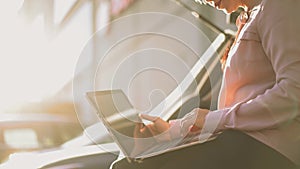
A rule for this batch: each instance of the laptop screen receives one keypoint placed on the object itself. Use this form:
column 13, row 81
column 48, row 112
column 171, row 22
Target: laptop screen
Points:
column 118, row 115
column 115, row 108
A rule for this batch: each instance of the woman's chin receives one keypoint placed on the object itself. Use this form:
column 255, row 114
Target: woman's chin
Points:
column 228, row 11
column 224, row 10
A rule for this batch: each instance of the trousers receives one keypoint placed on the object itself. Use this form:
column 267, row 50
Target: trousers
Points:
column 230, row 150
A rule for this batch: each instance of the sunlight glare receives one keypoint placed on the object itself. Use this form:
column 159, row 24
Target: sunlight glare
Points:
column 32, row 65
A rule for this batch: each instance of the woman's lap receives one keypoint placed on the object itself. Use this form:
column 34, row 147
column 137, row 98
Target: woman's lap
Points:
column 231, row 150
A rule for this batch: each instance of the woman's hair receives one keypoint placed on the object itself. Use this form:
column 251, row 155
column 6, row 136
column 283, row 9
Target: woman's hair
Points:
column 240, row 22
column 225, row 54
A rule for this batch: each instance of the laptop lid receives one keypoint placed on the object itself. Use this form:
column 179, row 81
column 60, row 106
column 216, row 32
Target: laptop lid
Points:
column 118, row 115
column 120, row 118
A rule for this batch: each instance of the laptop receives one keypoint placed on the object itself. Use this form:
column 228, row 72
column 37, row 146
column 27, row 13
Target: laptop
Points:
column 121, row 119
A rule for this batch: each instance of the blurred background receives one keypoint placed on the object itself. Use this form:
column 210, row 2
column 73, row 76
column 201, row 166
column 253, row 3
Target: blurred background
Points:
column 41, row 43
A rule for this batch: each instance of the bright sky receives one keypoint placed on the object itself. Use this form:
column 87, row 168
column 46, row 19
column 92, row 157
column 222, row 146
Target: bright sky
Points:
column 33, row 66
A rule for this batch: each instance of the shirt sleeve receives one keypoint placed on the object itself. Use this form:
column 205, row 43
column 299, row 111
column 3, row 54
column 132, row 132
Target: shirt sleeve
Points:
column 279, row 30
column 179, row 128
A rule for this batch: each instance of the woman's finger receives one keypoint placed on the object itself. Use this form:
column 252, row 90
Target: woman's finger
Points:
column 146, row 132
column 148, row 117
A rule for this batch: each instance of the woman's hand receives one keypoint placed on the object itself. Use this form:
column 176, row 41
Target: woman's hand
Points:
column 201, row 114
column 147, row 135
column 157, row 127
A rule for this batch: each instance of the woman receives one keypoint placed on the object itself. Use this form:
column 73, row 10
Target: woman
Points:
column 259, row 101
